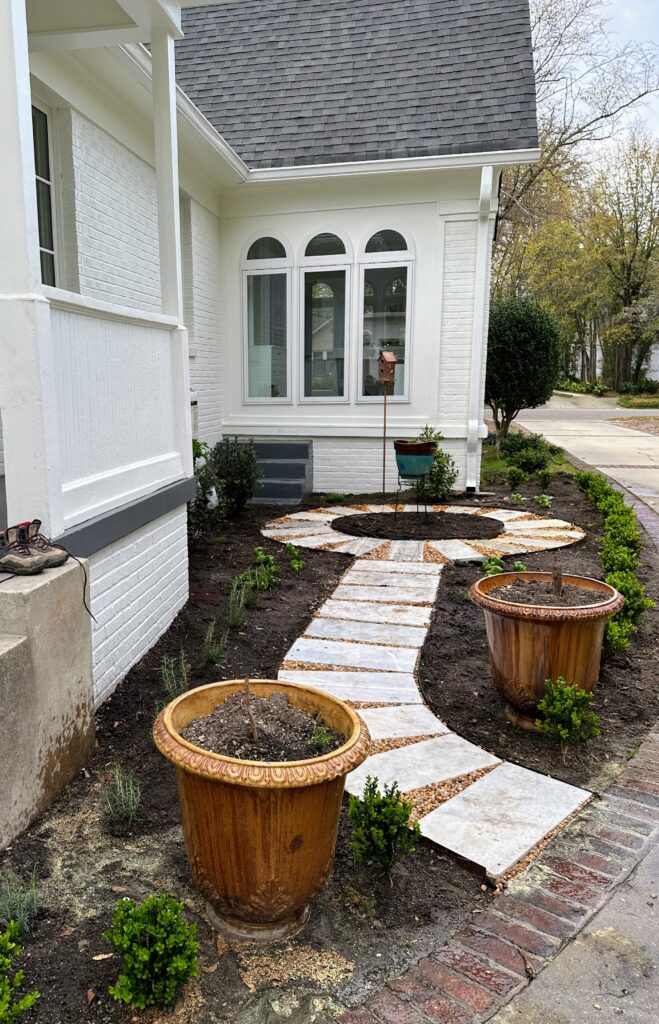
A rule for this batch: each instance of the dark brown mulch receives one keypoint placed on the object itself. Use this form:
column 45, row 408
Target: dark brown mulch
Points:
column 280, row 732
column 539, row 593
column 413, row 526
column 455, row 674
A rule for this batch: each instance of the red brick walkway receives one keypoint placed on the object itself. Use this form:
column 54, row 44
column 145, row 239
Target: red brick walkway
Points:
column 470, row 977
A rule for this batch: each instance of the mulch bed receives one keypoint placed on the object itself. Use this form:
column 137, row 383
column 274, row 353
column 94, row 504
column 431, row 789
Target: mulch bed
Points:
column 418, row 526
column 361, row 918
column 455, row 677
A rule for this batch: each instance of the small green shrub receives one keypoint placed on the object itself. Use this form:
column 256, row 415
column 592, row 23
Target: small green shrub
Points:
column 636, row 602
column 529, row 452
column 175, row 675
column 544, row 500
column 295, row 562
column 334, row 498
column 438, row 484
column 581, row 387
column 518, row 499
column 122, row 798
column 544, row 478
column 214, row 648
column 234, row 464
column 493, row 566
column 263, row 575
column 516, row 476
column 19, row 900
column 236, row 607
column 518, row 567
column 159, row 949
column 381, row 828
column 204, row 512
column 12, row 1006
column 566, row 715
column 321, row 736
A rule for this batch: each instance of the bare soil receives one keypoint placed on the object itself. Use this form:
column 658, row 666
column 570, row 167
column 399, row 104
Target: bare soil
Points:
column 539, row 593
column 277, row 731
column 413, row 526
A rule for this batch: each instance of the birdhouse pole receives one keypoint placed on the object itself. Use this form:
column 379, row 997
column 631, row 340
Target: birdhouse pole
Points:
column 386, row 374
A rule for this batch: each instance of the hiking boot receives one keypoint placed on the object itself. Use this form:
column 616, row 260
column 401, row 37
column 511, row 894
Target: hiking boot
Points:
column 38, row 544
column 16, row 558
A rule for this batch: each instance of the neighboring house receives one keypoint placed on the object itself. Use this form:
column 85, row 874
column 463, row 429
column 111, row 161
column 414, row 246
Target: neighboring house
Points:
column 335, row 194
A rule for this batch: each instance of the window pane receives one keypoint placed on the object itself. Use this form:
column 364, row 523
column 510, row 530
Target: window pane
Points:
column 325, row 244
column 386, row 241
column 44, row 216
column 266, row 249
column 40, row 136
column 47, row 268
column 385, row 323
column 324, row 333
column 267, row 356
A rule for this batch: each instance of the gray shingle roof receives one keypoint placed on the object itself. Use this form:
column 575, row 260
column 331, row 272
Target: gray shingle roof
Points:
column 328, row 81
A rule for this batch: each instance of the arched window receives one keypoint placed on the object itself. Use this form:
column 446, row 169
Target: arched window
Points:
column 325, row 244
column 325, row 287
column 267, row 289
column 386, row 270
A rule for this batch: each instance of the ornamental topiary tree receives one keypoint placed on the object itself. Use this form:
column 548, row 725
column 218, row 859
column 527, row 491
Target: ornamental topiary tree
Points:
column 522, row 360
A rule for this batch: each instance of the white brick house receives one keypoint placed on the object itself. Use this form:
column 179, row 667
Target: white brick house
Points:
column 254, row 248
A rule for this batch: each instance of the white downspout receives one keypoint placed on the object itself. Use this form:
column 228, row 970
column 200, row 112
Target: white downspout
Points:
column 479, row 333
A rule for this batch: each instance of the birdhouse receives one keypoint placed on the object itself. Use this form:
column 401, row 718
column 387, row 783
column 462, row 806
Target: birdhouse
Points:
column 386, row 367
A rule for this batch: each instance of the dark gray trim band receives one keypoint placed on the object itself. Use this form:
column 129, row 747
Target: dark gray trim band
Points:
column 89, row 537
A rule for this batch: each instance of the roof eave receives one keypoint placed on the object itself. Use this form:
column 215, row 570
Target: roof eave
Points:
column 496, row 158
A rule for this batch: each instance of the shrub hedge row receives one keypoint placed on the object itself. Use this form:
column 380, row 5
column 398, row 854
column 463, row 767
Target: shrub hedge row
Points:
column 620, row 554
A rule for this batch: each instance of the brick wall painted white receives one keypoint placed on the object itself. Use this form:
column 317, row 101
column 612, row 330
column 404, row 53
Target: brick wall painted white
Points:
column 137, row 585
column 203, row 314
column 354, row 464
column 116, row 219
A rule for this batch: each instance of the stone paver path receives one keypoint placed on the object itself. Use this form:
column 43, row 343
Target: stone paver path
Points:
column 364, row 645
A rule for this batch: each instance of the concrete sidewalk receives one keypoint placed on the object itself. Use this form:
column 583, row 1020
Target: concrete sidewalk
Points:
column 581, row 424
column 609, row 972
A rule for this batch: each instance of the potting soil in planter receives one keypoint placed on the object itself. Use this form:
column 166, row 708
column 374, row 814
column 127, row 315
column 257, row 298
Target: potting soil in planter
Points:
column 413, row 525
column 537, row 592
column 284, row 732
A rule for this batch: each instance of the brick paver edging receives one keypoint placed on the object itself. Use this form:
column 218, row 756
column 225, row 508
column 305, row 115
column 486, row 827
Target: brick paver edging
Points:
column 480, row 968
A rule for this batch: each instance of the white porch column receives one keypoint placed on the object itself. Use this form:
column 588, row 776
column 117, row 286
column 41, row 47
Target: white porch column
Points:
column 27, row 399
column 169, row 226
column 479, row 328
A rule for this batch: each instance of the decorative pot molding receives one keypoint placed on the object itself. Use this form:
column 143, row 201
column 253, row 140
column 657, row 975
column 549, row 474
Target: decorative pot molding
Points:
column 480, row 593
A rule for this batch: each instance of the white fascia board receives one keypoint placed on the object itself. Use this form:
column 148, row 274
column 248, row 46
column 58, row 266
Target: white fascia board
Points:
column 137, row 60
column 499, row 158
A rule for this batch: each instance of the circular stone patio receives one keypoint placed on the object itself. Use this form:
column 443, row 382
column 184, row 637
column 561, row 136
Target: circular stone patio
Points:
column 363, row 646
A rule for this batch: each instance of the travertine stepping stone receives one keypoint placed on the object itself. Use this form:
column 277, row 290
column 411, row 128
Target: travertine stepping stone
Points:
column 529, row 525
column 337, row 652
column 505, row 515
column 509, row 546
column 311, row 515
column 421, row 764
column 367, row 632
column 380, row 565
column 456, row 550
column 280, row 531
column 397, row 722
column 358, row 546
column 343, row 510
column 498, row 819
column 399, row 595
column 406, row 551
column 425, row 584
column 360, row 687
column 330, row 539
column 363, row 611
column 463, row 510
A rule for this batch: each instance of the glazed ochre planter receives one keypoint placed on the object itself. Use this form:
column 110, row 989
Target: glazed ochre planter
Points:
column 259, row 836
column 531, row 643
column 414, row 458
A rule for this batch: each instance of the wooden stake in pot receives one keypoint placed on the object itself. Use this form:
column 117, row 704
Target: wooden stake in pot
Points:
column 250, row 713
column 557, row 577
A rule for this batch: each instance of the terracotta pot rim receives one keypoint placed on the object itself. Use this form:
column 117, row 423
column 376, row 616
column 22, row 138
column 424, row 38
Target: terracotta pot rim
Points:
column 262, row 774
column 612, row 601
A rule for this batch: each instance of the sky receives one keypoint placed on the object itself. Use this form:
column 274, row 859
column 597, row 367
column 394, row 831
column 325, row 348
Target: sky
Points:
column 638, row 20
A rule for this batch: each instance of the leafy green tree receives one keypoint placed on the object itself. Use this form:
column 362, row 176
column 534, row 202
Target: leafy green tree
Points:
column 522, row 360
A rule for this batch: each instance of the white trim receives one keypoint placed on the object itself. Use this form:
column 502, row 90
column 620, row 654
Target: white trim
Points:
column 387, row 257
column 314, row 264
column 344, row 259
column 272, row 264
column 495, row 158
column 53, row 187
column 253, row 270
column 83, row 39
column 479, row 339
column 312, row 426
column 366, row 263
column 91, row 496
column 83, row 304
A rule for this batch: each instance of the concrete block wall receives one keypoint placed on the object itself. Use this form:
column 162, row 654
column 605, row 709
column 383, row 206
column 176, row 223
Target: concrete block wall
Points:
column 201, row 253
column 354, row 464
column 116, row 219
column 138, row 585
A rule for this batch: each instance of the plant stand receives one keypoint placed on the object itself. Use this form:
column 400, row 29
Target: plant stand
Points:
column 419, row 484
